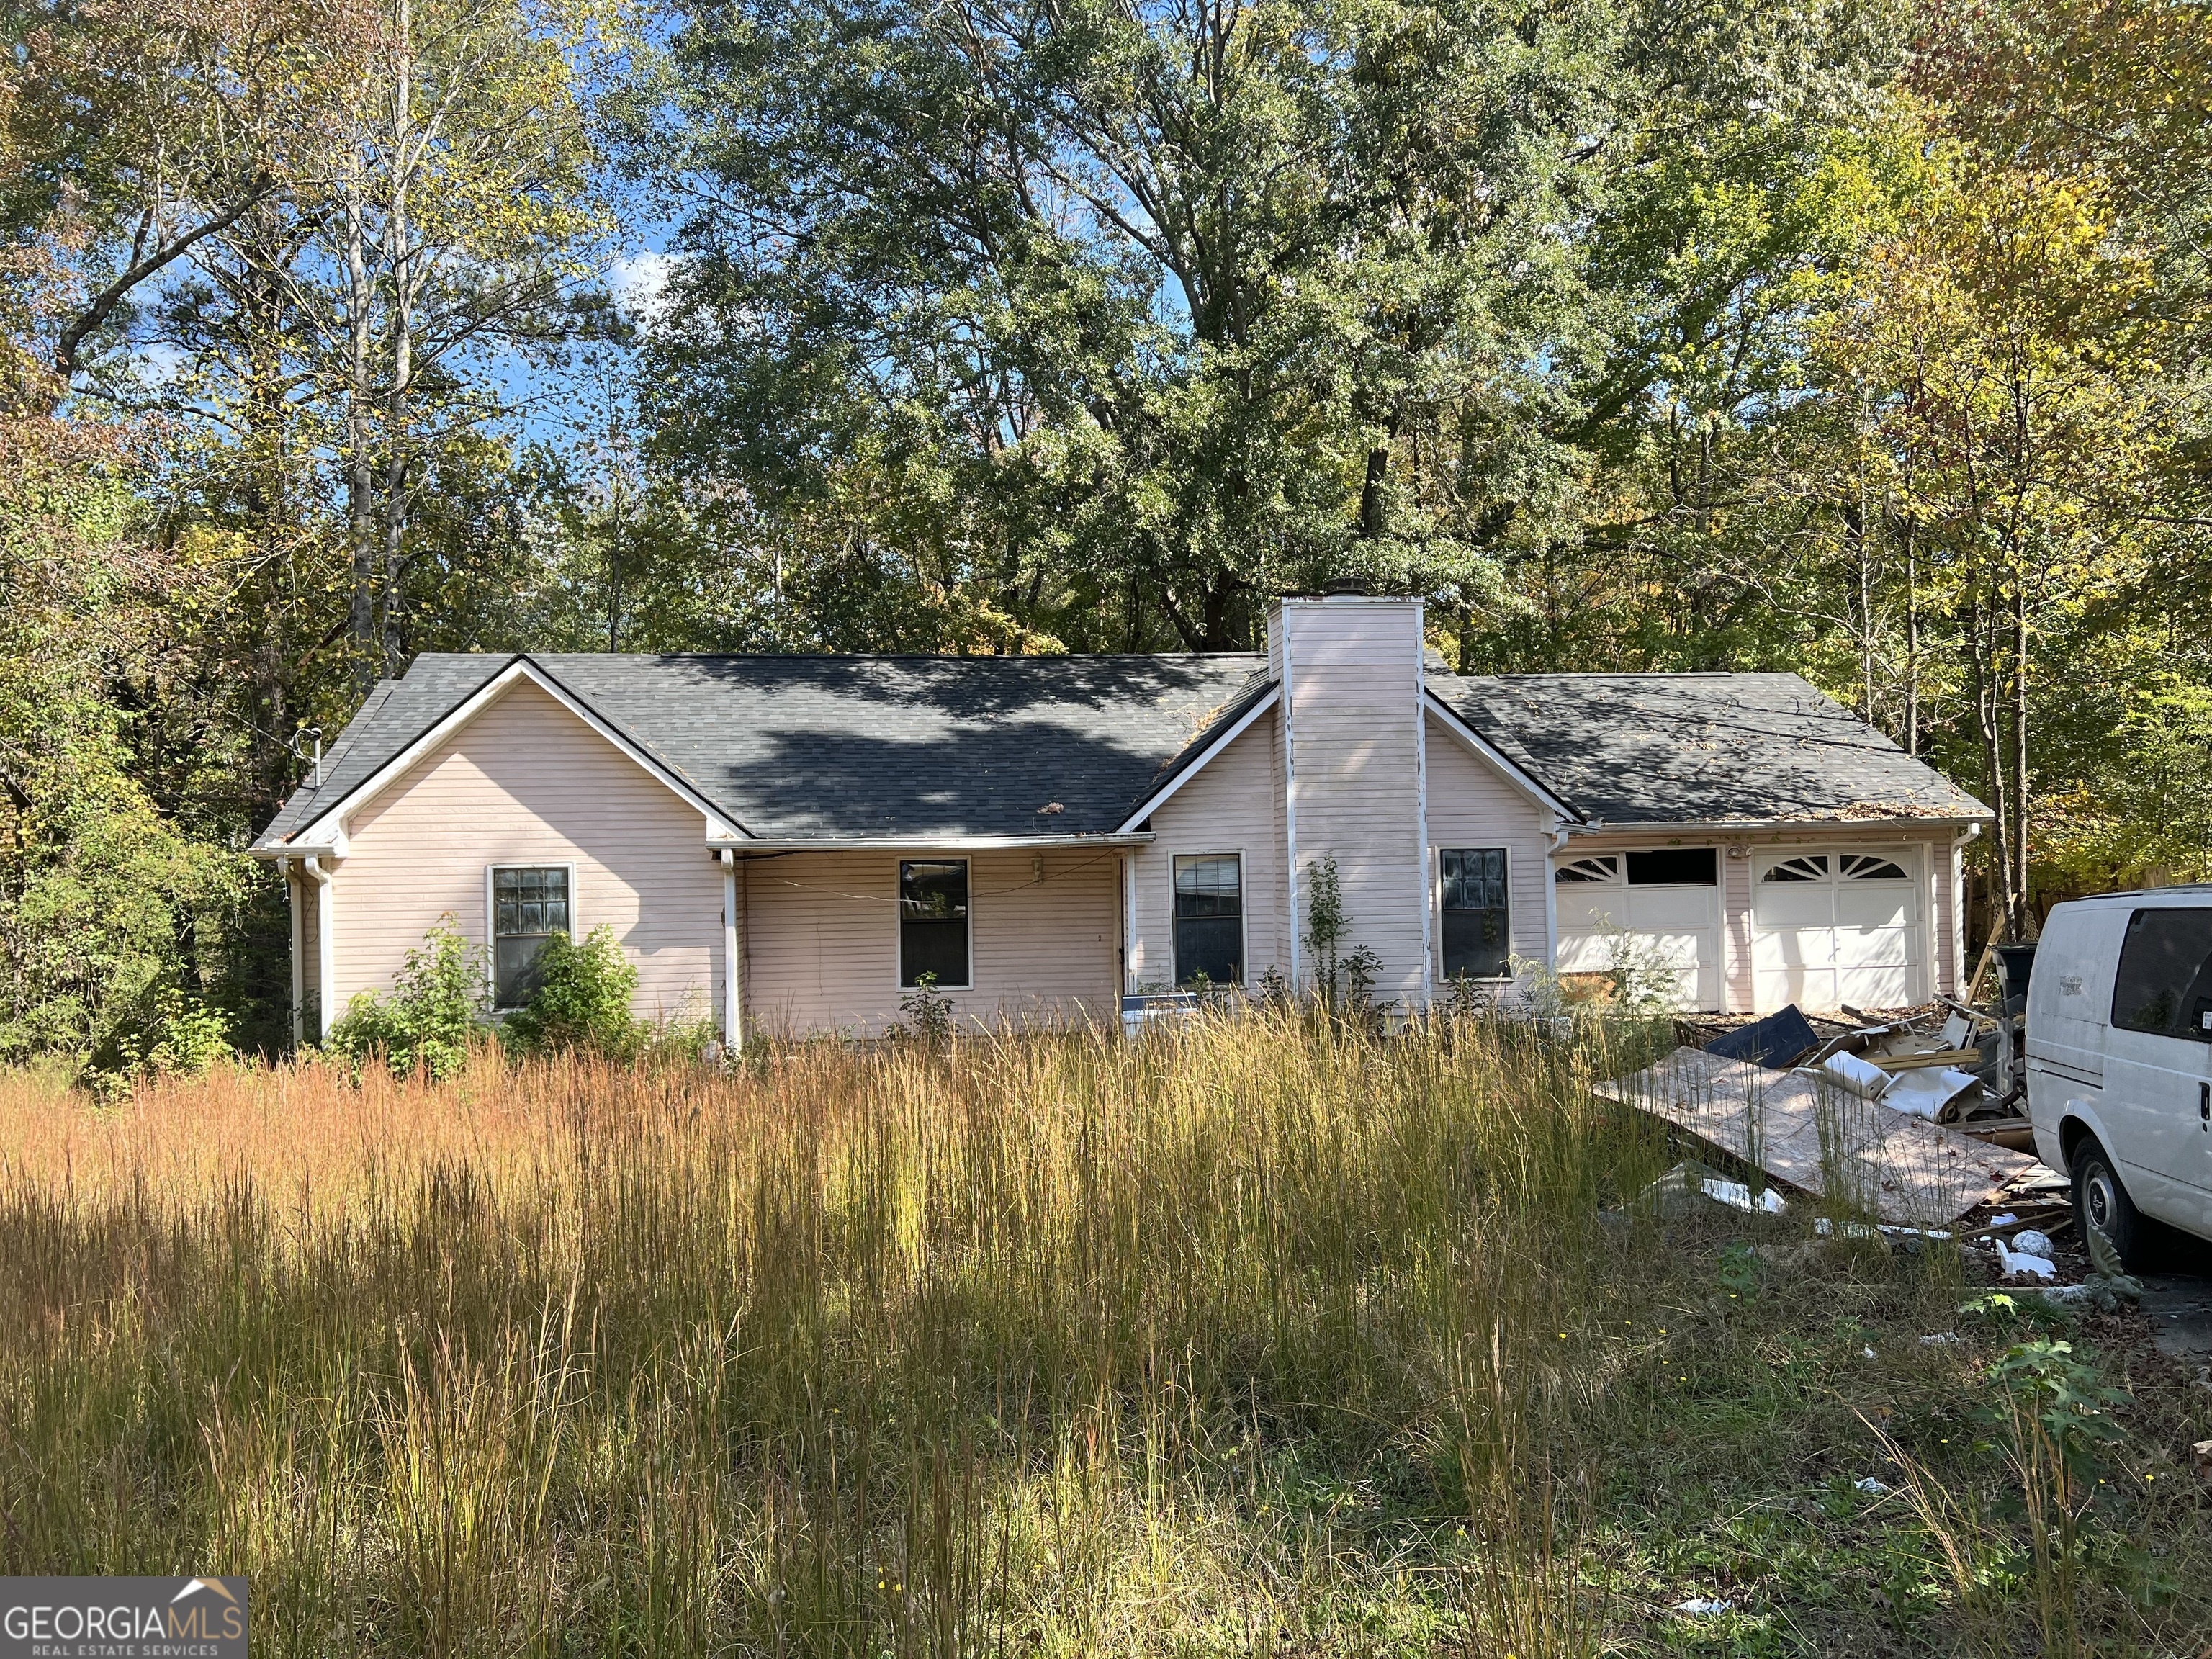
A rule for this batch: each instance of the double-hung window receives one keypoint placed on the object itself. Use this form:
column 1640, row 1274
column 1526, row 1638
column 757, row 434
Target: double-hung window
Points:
column 933, row 907
column 529, row 905
column 1209, row 919
column 1477, row 924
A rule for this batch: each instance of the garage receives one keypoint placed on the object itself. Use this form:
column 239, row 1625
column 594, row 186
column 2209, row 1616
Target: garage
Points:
column 1836, row 927
column 1661, row 905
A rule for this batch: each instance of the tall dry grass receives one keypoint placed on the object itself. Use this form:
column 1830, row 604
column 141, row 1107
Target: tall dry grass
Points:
column 1045, row 1343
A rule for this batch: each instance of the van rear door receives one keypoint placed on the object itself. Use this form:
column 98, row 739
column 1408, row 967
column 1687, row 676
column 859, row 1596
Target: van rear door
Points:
column 2158, row 1076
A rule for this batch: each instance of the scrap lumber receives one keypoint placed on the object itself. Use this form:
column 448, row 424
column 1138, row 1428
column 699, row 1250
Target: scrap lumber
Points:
column 1821, row 1140
column 1934, row 1057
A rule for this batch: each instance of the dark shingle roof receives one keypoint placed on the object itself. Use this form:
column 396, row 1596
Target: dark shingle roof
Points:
column 857, row 747
column 850, row 748
column 1699, row 748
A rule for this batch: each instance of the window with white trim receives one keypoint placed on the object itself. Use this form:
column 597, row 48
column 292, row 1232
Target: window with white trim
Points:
column 933, row 907
column 1478, row 922
column 1209, row 919
column 529, row 906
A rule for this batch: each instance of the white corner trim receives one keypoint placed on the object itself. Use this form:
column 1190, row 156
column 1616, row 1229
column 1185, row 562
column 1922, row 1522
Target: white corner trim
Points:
column 1550, row 875
column 1153, row 803
column 1424, row 861
column 1513, row 774
column 521, row 668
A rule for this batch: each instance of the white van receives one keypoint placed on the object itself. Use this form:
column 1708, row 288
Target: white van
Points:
column 2119, row 1058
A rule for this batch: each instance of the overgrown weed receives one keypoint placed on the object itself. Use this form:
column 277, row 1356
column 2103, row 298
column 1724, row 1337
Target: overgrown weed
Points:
column 1264, row 1332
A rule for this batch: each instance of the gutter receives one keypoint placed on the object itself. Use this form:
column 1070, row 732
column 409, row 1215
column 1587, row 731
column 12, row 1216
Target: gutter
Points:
column 924, row 843
column 1755, row 826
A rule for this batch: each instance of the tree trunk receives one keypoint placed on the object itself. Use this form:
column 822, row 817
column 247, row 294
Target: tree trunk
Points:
column 360, row 513
column 2022, row 916
column 1988, row 710
column 406, row 282
column 1911, row 639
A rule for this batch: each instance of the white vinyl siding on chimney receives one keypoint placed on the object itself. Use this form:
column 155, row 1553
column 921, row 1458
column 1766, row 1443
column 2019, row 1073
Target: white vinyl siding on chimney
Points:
column 1352, row 707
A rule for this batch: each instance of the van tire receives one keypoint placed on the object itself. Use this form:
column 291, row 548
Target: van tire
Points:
column 2100, row 1200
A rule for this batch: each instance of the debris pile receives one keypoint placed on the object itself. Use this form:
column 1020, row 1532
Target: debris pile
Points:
column 1917, row 1117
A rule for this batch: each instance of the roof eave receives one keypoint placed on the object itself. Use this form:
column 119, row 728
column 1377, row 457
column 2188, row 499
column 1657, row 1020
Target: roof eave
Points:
column 1755, row 826
column 921, row 841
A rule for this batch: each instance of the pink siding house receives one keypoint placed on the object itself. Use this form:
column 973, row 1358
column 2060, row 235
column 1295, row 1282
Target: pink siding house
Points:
column 792, row 844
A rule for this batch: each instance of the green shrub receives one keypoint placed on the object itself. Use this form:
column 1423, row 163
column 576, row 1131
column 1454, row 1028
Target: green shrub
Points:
column 192, row 1036
column 582, row 1000
column 431, row 1014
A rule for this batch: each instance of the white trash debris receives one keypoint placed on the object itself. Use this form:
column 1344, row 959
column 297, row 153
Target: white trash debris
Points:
column 1926, row 1091
column 1862, row 1077
column 1825, row 1227
column 2031, row 1242
column 1688, row 1179
column 2004, row 1220
column 1737, row 1195
column 1872, row 1486
column 1941, row 1339
column 2010, row 1262
column 1866, row 1353
column 1698, row 1606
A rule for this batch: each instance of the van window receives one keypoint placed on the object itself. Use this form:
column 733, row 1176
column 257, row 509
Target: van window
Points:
column 2165, row 979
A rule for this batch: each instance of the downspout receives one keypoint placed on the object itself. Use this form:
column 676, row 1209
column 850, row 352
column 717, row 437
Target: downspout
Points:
column 1290, row 810
column 325, row 957
column 1559, row 834
column 299, row 967
column 733, row 1029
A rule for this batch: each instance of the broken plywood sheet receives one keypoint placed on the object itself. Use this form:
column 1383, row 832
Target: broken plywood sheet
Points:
column 1820, row 1139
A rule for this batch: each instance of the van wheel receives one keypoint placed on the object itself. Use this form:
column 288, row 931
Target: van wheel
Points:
column 2100, row 1200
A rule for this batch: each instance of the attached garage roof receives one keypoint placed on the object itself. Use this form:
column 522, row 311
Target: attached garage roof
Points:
column 1632, row 749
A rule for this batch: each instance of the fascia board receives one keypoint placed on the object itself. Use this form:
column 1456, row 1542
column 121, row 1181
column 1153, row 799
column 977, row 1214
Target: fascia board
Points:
column 1765, row 826
column 920, row 843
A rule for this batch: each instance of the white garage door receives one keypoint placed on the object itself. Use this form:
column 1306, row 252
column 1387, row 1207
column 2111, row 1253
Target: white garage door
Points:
column 1836, row 927
column 1659, row 910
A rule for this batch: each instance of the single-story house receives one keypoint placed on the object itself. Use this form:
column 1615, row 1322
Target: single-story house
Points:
column 791, row 843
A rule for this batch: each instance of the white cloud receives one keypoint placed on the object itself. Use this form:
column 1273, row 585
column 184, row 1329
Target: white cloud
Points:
column 639, row 283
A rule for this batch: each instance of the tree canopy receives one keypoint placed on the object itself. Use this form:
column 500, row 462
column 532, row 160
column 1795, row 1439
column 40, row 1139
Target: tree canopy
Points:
column 1854, row 338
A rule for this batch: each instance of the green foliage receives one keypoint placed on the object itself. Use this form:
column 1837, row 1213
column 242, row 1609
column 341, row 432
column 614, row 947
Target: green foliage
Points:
column 192, row 1036
column 106, row 906
column 430, row 1016
column 582, row 1001
column 927, row 1014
